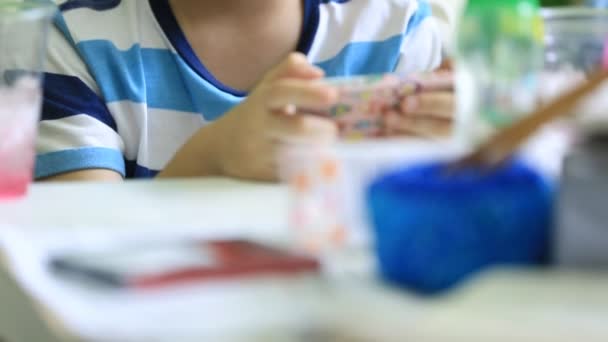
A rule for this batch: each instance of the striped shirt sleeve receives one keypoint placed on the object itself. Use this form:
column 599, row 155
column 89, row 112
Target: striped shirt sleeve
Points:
column 76, row 130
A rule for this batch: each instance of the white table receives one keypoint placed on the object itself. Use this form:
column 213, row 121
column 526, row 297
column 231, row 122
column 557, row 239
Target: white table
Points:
column 210, row 204
column 501, row 306
column 218, row 204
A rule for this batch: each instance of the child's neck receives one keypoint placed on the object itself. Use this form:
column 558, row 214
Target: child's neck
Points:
column 242, row 9
column 239, row 40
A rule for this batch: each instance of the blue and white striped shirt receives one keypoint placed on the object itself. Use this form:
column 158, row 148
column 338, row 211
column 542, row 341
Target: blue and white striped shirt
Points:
column 124, row 89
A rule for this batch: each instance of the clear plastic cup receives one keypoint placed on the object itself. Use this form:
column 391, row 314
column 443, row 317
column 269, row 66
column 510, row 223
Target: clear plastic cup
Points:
column 575, row 38
column 24, row 26
column 314, row 174
column 575, row 46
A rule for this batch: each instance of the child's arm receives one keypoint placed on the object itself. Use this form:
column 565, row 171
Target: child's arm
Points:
column 99, row 175
column 245, row 141
column 77, row 136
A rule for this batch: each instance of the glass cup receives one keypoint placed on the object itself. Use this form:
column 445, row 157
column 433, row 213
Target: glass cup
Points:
column 575, row 38
column 24, row 26
column 576, row 43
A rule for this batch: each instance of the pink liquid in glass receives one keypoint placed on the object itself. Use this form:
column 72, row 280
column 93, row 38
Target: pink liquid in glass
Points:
column 19, row 110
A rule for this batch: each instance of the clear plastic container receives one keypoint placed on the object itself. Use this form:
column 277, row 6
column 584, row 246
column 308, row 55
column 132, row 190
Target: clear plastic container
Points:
column 574, row 38
column 574, row 48
column 23, row 34
column 498, row 60
column 314, row 175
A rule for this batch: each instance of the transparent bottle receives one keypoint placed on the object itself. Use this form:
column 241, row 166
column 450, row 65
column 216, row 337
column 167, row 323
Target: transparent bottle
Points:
column 499, row 57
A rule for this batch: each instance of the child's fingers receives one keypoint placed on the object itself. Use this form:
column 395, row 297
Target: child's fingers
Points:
column 299, row 93
column 438, row 81
column 440, row 104
column 428, row 133
column 295, row 66
column 424, row 126
column 447, row 64
column 302, row 128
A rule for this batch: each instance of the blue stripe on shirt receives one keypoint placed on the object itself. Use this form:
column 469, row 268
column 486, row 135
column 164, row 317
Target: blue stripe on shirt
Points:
column 119, row 73
column 86, row 158
column 424, row 11
column 166, row 19
column 66, row 96
column 134, row 170
column 337, row 1
column 97, row 5
column 360, row 58
column 364, row 58
column 310, row 26
column 61, row 25
column 159, row 78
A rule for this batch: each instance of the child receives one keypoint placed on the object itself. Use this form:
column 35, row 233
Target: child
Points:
column 183, row 88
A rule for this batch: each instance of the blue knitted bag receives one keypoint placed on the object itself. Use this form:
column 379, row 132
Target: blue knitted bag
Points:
column 434, row 229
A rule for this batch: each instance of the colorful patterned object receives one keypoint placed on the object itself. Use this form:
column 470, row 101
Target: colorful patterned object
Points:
column 366, row 101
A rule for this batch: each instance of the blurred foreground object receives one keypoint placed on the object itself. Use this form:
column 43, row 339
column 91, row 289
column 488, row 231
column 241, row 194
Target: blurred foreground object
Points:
column 328, row 185
column 574, row 38
column 582, row 231
column 506, row 142
column 597, row 3
column 434, row 230
column 498, row 60
column 314, row 175
column 575, row 47
column 23, row 33
column 228, row 309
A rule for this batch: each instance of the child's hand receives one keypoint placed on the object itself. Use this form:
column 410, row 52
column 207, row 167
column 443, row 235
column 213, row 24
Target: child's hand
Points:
column 428, row 114
column 253, row 132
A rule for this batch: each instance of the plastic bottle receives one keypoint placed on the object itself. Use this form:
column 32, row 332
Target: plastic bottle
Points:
column 498, row 60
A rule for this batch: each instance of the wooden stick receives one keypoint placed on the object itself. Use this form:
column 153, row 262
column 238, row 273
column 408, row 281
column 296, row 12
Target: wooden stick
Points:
column 506, row 142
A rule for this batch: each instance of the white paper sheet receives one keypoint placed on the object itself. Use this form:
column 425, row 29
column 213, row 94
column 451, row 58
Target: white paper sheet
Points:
column 225, row 309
